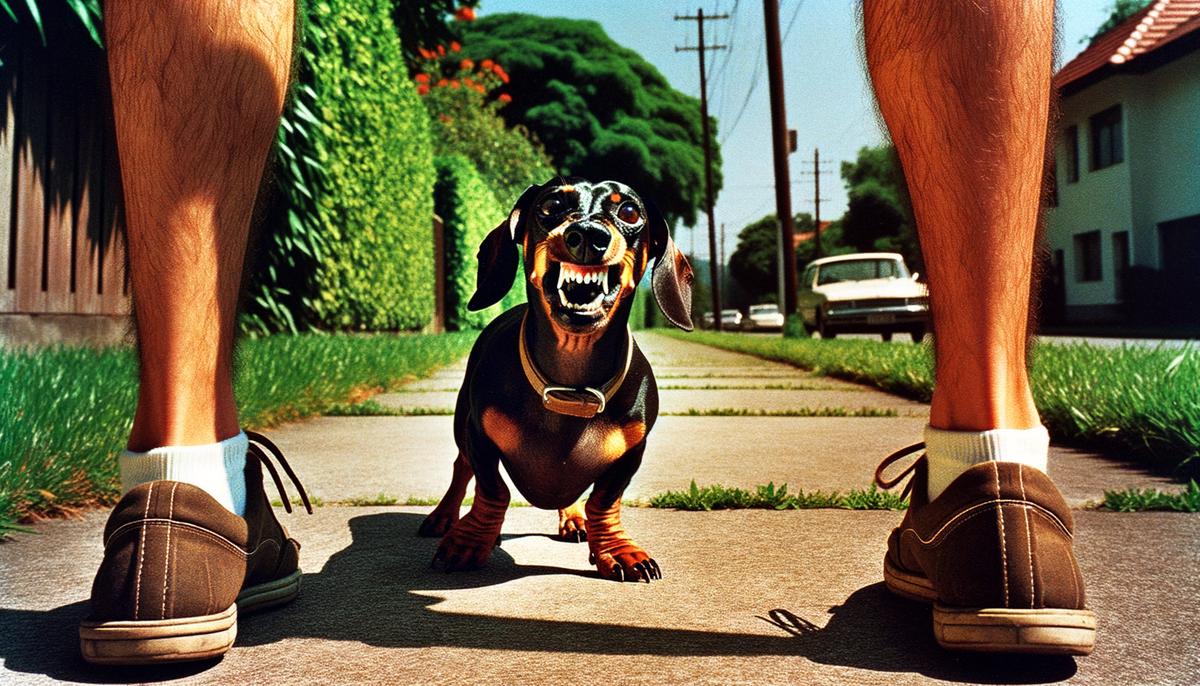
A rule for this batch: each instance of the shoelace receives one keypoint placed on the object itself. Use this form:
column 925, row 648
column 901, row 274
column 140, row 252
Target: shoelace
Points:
column 888, row 461
column 264, row 450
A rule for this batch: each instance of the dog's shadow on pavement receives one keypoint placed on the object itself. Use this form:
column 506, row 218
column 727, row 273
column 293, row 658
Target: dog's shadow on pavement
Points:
column 373, row 592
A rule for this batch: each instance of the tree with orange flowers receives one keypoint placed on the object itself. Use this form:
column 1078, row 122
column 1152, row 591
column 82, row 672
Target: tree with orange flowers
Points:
column 463, row 97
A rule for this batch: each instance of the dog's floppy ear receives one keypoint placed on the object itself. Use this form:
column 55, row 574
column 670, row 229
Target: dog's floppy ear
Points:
column 498, row 256
column 672, row 277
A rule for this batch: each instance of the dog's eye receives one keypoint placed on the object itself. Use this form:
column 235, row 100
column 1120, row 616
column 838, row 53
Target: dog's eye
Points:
column 628, row 213
column 552, row 206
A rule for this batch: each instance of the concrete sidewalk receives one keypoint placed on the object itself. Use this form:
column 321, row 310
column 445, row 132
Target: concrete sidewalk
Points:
column 748, row 596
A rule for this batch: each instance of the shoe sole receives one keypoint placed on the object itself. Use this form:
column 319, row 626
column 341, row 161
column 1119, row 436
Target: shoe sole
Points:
column 185, row 639
column 1046, row 631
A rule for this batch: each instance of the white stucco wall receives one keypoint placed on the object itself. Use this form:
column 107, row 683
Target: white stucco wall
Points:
column 1101, row 200
column 1158, row 181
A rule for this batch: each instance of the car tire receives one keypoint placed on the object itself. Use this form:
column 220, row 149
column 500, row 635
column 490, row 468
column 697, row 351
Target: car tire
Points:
column 887, row 336
column 823, row 329
column 917, row 333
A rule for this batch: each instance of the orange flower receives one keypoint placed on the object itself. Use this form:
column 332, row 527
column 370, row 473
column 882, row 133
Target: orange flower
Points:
column 455, row 46
column 478, row 88
column 441, row 50
column 422, row 78
column 425, row 53
column 467, row 65
column 454, row 83
column 442, row 83
column 422, row 89
column 505, row 98
column 487, row 64
column 465, row 13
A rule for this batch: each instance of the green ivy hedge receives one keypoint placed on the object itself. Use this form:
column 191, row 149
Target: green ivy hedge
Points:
column 375, row 150
column 469, row 210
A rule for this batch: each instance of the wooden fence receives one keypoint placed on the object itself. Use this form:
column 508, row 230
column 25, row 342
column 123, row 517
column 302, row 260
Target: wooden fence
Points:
column 62, row 248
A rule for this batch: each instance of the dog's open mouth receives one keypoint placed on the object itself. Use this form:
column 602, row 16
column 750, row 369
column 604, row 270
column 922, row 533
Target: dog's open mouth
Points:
column 582, row 293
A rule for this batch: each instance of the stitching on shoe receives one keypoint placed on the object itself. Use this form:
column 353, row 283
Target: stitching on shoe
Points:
column 980, row 508
column 216, row 538
column 1000, row 526
column 137, row 586
column 167, row 557
column 1028, row 540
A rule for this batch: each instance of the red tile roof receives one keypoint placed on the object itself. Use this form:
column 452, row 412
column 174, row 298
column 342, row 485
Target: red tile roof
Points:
column 1160, row 23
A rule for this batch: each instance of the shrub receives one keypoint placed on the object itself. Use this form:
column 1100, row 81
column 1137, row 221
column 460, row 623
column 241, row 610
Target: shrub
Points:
column 469, row 211
column 355, row 249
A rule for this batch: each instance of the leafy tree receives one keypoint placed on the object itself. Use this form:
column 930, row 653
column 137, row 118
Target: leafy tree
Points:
column 1120, row 12
column 754, row 265
column 879, row 215
column 600, row 109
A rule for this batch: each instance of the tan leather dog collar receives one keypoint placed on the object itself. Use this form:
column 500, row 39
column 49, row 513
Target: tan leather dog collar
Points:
column 575, row 401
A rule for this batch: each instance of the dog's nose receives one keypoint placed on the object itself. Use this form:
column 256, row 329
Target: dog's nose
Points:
column 586, row 244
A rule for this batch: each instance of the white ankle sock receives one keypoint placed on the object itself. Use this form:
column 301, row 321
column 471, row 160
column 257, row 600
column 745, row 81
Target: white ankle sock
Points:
column 950, row 453
column 217, row 468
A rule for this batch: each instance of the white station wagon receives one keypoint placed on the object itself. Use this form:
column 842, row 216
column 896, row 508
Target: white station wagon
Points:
column 870, row 292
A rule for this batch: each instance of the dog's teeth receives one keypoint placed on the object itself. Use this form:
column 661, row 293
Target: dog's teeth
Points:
column 562, row 299
column 562, row 277
column 604, row 281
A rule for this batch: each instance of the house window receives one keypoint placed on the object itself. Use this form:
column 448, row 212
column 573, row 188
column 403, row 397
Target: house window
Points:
column 1120, row 252
column 1087, row 257
column 1107, row 145
column 1071, row 160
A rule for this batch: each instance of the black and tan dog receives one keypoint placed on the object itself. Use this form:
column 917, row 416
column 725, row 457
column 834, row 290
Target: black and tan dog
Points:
column 556, row 390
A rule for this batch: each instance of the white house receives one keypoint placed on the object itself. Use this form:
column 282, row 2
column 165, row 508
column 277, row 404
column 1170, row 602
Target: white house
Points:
column 1127, row 174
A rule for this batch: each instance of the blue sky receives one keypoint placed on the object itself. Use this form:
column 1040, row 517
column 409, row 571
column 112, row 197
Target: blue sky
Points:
column 828, row 96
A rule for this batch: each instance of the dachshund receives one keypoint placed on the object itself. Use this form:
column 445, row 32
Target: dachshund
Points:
column 556, row 389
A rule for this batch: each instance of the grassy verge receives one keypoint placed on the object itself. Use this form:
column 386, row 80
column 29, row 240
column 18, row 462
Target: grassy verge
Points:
column 65, row 412
column 1142, row 500
column 1143, row 402
column 770, row 497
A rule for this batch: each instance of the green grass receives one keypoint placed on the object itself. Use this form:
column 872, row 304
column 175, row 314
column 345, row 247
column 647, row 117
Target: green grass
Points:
column 1141, row 402
column 1140, row 500
column 770, row 497
column 372, row 408
column 758, row 387
column 65, row 412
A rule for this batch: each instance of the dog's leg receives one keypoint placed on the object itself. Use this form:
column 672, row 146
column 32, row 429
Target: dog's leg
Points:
column 446, row 513
column 613, row 552
column 469, row 542
column 571, row 526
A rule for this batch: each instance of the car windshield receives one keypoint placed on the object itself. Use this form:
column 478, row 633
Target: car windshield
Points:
column 764, row 309
column 861, row 270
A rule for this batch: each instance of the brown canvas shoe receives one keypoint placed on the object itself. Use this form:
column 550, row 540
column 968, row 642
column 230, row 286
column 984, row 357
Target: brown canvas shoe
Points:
column 993, row 554
column 178, row 567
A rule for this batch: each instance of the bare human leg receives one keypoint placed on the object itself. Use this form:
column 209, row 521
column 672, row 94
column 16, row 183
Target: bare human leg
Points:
column 964, row 88
column 198, row 88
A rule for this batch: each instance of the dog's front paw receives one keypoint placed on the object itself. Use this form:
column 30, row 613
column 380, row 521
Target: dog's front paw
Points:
column 438, row 523
column 572, row 525
column 630, row 563
column 458, row 552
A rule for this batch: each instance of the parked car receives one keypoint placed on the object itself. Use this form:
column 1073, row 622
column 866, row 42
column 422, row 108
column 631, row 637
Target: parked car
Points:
column 863, row 293
column 765, row 317
column 731, row 320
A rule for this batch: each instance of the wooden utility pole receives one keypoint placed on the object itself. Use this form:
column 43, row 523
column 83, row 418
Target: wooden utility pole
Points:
column 817, row 202
column 816, row 174
column 779, row 136
column 722, row 254
column 701, row 48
